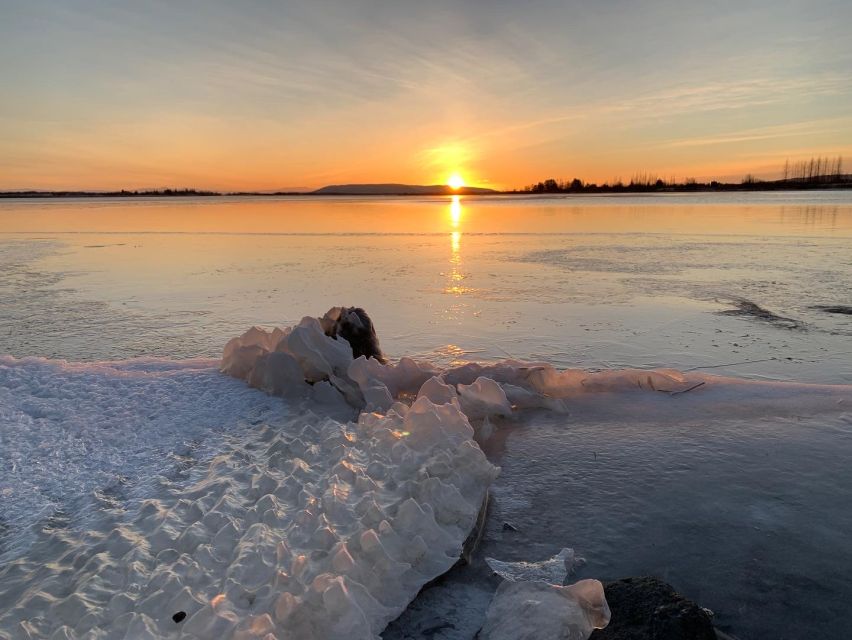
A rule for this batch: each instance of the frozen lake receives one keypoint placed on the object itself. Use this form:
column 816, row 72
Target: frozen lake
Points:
column 576, row 281
column 748, row 514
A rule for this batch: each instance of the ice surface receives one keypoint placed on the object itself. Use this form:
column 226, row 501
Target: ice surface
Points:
column 541, row 611
column 553, row 570
column 111, row 289
column 292, row 361
column 78, row 437
column 307, row 524
column 306, row 527
column 288, row 361
column 501, row 389
column 483, row 398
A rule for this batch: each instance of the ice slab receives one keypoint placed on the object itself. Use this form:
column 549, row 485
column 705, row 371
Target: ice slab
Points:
column 541, row 611
column 484, row 398
column 493, row 390
column 313, row 526
column 81, row 437
column 305, row 527
column 553, row 570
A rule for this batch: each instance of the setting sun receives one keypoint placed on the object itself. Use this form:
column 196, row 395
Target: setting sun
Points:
column 455, row 181
column 493, row 234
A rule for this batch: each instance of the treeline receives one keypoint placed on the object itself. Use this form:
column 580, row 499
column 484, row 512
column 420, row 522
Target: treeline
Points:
column 817, row 172
column 640, row 183
column 123, row 193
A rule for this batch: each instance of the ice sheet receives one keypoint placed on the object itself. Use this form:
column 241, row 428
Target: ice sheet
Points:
column 304, row 525
column 540, row 611
column 552, row 571
column 78, row 437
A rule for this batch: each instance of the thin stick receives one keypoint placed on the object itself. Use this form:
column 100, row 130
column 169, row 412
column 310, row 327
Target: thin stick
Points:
column 499, row 348
column 695, row 386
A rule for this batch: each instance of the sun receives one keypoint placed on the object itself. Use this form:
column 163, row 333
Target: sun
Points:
column 455, row 181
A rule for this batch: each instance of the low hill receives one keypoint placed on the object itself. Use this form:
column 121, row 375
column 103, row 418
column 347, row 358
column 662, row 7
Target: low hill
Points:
column 397, row 190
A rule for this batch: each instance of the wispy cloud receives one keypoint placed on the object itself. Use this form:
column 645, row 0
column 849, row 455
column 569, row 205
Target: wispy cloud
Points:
column 693, row 99
column 357, row 89
column 741, row 94
column 791, row 130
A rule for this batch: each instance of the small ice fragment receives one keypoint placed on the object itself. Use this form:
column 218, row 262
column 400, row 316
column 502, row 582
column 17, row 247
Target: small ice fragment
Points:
column 483, row 398
column 438, row 392
column 539, row 611
column 553, row 570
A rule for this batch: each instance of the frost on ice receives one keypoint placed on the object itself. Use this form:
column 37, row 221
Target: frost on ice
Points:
column 312, row 525
column 307, row 528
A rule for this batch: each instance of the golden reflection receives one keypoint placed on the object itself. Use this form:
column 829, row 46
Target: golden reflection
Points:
column 455, row 277
column 455, row 211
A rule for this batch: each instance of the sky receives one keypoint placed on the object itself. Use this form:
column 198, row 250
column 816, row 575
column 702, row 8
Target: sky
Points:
column 266, row 95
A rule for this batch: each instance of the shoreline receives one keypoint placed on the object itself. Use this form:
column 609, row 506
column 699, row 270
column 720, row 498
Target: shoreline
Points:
column 603, row 191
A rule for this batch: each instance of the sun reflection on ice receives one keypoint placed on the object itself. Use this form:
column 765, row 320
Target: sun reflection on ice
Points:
column 455, row 211
column 455, row 276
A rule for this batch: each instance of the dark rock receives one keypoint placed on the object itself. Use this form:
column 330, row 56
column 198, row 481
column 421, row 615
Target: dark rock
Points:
column 841, row 309
column 649, row 609
column 431, row 631
column 179, row 616
column 749, row 309
column 355, row 326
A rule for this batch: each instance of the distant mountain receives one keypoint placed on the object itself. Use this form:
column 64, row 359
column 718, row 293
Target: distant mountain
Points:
column 397, row 190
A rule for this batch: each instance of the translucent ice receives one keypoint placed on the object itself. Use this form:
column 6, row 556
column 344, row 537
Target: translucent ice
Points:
column 540, row 611
column 483, row 398
column 553, row 570
column 310, row 525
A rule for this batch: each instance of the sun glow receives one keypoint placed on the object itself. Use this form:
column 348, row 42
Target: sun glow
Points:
column 456, row 181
